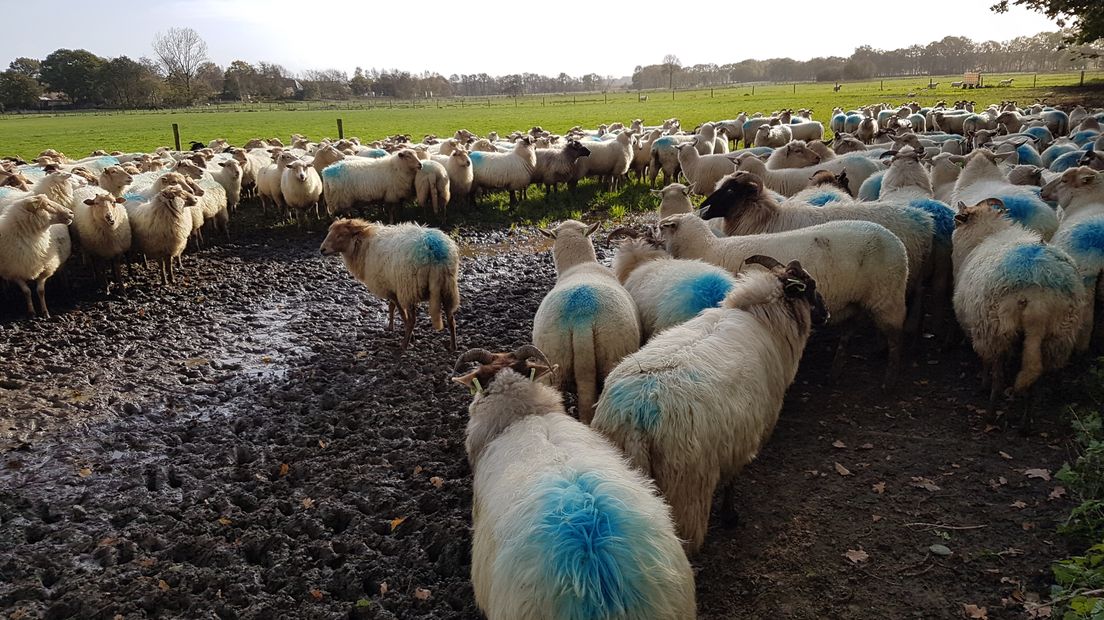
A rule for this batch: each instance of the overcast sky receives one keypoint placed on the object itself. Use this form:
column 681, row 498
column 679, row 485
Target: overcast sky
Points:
column 573, row 36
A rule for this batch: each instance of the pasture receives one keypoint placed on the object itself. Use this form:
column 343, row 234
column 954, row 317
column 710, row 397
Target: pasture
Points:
column 78, row 133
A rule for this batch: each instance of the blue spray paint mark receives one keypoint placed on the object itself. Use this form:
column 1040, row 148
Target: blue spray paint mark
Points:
column 1037, row 265
column 1087, row 238
column 1028, row 155
column 335, row 170
column 1028, row 211
column 695, row 294
column 635, row 399
column 942, row 216
column 823, row 198
column 871, row 188
column 579, row 306
column 434, row 248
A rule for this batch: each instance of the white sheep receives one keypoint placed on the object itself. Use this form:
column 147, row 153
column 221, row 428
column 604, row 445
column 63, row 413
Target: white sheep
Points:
column 1011, row 289
column 362, row 180
column 228, row 174
column 609, row 160
column 213, row 197
column 562, row 527
column 982, row 178
column 795, row 154
column 588, row 321
column 431, row 186
column 667, row 291
column 160, row 228
column 404, row 264
column 35, row 243
column 102, row 228
column 703, row 172
column 269, row 178
column 860, row 267
column 789, row 181
column 1080, row 194
column 806, row 130
column 773, row 135
column 301, row 188
column 665, row 158
column 511, row 171
column 673, row 199
column 458, row 166
column 697, row 403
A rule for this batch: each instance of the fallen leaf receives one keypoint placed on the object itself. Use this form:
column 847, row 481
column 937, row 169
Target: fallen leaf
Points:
column 308, row 503
column 942, row 550
column 84, row 472
column 856, row 555
column 973, row 611
column 989, row 428
column 397, row 522
column 867, row 446
column 1057, row 492
column 383, row 588
column 322, row 444
column 1027, row 525
column 1019, row 504
column 360, row 355
column 225, row 520
column 164, row 585
column 192, row 362
column 284, row 469
column 417, row 469
column 421, row 594
column 875, row 518
column 838, row 444
column 879, row 487
column 925, row 483
column 142, row 311
column 267, row 359
column 1039, row 612
column 437, row 481
column 1005, row 455
column 316, row 593
column 1043, row 474
column 998, row 483
column 841, row 470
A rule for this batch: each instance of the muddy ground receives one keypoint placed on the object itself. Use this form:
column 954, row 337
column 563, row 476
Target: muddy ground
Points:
column 252, row 444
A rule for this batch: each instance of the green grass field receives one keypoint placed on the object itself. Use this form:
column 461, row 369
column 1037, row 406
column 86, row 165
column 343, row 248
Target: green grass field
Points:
column 79, row 133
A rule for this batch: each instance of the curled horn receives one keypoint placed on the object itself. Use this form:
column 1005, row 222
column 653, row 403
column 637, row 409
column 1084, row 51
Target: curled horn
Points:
column 627, row 231
column 527, row 351
column 482, row 356
column 888, row 154
column 766, row 261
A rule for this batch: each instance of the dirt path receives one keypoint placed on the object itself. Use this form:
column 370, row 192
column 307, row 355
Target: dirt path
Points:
column 252, row 445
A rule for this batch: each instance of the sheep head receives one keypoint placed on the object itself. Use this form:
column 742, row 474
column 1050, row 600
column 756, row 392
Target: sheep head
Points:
column 176, row 198
column 798, row 287
column 346, row 236
column 298, row 170
column 1074, row 180
column 47, row 211
column 103, row 207
column 575, row 149
column 987, row 211
column 733, row 192
column 526, row 360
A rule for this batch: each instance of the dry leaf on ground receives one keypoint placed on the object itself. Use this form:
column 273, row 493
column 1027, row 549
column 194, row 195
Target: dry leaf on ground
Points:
column 856, row 555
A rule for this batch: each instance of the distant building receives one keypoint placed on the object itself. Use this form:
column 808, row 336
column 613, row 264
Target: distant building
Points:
column 52, row 101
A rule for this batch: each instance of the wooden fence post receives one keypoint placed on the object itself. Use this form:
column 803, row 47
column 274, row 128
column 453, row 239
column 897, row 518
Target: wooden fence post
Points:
column 1082, row 78
column 176, row 135
column 340, row 130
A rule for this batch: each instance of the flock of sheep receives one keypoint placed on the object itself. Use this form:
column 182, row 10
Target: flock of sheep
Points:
column 680, row 354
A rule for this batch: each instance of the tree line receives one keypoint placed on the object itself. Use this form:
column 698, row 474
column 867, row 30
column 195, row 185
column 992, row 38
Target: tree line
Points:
column 179, row 73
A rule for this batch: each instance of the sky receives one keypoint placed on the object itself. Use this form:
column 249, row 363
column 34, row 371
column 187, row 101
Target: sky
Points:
column 494, row 37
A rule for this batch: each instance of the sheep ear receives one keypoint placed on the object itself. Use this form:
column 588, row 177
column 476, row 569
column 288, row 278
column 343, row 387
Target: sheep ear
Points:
column 593, row 227
column 469, row 381
column 547, row 233
column 686, row 190
column 996, row 203
column 89, row 201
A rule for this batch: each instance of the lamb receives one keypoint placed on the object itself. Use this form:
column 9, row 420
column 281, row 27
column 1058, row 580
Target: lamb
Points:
column 1080, row 194
column 431, row 185
column 34, row 242
column 789, row 181
column 269, row 177
column 301, row 188
column 102, row 227
column 512, row 171
column 860, row 267
column 642, row 154
column 404, row 264
column 388, row 179
column 981, row 178
column 697, row 403
column 796, row 154
column 160, row 228
column 588, row 321
column 666, row 291
column 1009, row 286
column 458, row 166
column 773, row 135
column 562, row 526
column 559, row 165
column 610, row 160
column 703, row 171
column 228, row 174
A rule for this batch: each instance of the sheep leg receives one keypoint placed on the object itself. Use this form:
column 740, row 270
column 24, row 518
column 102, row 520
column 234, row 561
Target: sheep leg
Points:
column 411, row 317
column 452, row 331
column 27, row 294
column 841, row 352
column 915, row 313
column 729, row 517
column 894, row 342
column 391, row 305
column 117, row 271
column 40, row 283
column 690, row 493
column 996, row 383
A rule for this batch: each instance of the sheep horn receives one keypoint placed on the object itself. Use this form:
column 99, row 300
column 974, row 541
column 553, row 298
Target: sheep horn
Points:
column 527, row 351
column 482, row 356
column 766, row 261
column 623, row 230
column 888, row 154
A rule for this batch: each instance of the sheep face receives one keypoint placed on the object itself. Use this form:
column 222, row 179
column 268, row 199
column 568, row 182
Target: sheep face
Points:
column 345, row 236
column 298, row 171
column 232, row 168
column 527, row 361
column 982, row 216
column 46, row 211
column 176, row 199
column 800, row 152
column 188, row 168
column 734, row 191
column 1074, row 180
column 673, row 189
column 460, row 158
column 103, row 207
column 409, row 159
column 116, row 175
column 798, row 288
column 575, row 149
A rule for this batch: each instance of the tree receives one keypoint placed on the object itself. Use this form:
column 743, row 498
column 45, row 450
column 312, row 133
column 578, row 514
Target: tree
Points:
column 1084, row 18
column 360, row 84
column 75, row 73
column 26, row 66
column 671, row 63
column 18, row 90
column 129, row 84
column 181, row 52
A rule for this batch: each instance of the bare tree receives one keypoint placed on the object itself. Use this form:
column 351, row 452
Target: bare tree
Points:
column 671, row 63
column 181, row 53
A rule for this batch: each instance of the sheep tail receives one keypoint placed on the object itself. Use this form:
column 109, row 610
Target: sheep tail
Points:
column 1034, row 320
column 437, row 286
column 585, row 364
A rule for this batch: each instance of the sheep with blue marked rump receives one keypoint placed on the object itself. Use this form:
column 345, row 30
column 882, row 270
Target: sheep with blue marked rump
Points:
column 404, row 264
column 388, row 180
column 697, row 403
column 665, row 158
column 667, row 291
column 1080, row 194
column 1015, row 296
column 982, row 178
column 789, row 181
column 562, row 526
column 588, row 321
column 860, row 267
